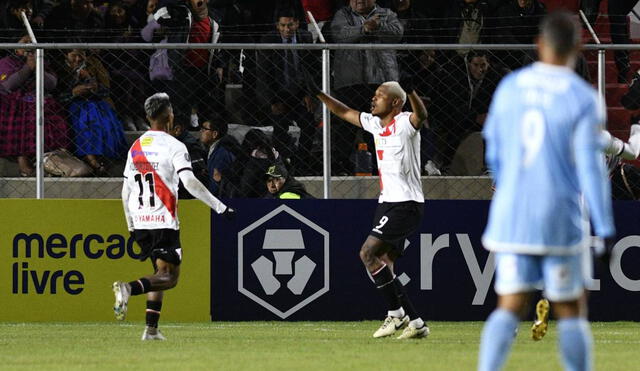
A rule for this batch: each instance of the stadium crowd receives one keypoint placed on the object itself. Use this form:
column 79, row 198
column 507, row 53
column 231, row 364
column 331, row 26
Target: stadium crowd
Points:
column 95, row 96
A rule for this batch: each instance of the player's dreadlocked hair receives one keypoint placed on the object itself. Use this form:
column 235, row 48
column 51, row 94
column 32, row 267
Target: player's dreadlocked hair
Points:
column 156, row 105
column 561, row 32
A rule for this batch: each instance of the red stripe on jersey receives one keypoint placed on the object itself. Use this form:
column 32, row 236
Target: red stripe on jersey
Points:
column 389, row 129
column 164, row 193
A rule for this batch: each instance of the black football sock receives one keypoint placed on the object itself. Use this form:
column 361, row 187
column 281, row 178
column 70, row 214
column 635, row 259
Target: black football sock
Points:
column 407, row 305
column 383, row 279
column 139, row 287
column 153, row 313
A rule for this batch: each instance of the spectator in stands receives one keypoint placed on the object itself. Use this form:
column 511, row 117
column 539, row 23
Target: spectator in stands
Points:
column 136, row 12
column 76, row 18
column 35, row 10
column 358, row 73
column 84, row 87
column 126, row 67
column 427, row 81
column 518, row 24
column 281, row 88
column 258, row 155
column 11, row 20
column 150, row 8
column 18, row 111
column 619, row 28
column 463, row 101
column 417, row 30
column 282, row 186
column 180, row 131
column 213, row 135
column 468, row 22
column 197, row 73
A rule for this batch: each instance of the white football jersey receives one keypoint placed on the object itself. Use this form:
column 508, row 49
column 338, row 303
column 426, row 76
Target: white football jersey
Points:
column 398, row 156
column 152, row 168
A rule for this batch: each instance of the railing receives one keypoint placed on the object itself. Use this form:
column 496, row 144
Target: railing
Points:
column 261, row 110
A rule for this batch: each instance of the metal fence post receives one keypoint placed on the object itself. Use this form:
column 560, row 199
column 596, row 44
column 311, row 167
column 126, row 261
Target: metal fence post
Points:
column 39, row 109
column 326, row 127
column 39, row 123
column 601, row 73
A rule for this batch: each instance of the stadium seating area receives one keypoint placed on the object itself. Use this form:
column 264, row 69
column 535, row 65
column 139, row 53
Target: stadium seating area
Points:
column 262, row 89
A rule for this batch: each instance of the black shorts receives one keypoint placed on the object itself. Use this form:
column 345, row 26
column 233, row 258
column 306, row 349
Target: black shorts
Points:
column 159, row 244
column 395, row 221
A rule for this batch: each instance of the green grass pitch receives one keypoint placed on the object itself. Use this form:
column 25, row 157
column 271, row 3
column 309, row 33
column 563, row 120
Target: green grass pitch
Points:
column 288, row 346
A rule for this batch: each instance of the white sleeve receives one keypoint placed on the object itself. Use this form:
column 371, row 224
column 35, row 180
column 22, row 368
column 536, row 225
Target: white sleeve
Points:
column 199, row 191
column 367, row 121
column 634, row 142
column 612, row 145
column 181, row 159
column 126, row 191
column 404, row 123
column 616, row 147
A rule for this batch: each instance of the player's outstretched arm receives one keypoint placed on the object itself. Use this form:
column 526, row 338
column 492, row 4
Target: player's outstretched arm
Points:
column 340, row 109
column 199, row 191
column 335, row 106
column 126, row 191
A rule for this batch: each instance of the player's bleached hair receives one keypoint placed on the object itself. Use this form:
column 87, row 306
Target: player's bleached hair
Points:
column 561, row 32
column 156, row 105
column 393, row 88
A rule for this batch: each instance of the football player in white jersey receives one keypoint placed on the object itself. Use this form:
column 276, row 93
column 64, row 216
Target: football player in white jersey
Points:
column 401, row 202
column 156, row 163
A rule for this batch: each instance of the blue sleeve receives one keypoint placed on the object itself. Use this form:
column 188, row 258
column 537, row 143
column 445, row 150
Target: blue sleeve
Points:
column 591, row 171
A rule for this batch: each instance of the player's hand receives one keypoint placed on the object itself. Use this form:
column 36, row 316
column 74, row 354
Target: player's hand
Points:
column 229, row 213
column 603, row 250
column 372, row 23
column 408, row 83
column 310, row 85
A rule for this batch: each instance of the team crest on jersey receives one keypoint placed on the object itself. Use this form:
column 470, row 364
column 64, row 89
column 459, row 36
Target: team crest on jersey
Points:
column 147, row 141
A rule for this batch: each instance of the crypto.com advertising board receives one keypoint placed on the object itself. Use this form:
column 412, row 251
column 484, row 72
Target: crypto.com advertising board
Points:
column 298, row 260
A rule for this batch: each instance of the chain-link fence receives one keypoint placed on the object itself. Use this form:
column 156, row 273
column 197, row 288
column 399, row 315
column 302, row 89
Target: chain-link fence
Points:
column 242, row 108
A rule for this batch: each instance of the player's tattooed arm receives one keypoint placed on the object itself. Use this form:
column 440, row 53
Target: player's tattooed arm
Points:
column 340, row 109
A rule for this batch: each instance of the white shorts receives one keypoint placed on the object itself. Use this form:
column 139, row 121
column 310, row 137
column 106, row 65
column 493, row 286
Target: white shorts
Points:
column 560, row 276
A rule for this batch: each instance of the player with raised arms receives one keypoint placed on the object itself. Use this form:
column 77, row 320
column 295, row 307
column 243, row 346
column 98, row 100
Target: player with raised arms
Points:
column 401, row 202
column 545, row 150
column 156, row 163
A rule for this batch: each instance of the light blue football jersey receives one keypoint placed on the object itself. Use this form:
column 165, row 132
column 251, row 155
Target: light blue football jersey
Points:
column 544, row 149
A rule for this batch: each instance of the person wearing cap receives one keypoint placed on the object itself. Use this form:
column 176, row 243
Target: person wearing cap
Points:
column 281, row 185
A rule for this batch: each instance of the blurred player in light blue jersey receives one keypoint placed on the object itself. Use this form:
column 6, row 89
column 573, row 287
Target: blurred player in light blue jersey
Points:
column 544, row 148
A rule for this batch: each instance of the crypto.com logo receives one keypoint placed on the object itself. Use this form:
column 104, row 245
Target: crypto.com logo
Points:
column 276, row 265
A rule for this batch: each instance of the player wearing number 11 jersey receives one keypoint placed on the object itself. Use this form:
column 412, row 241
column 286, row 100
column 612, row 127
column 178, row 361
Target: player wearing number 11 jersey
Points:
column 155, row 164
column 544, row 148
